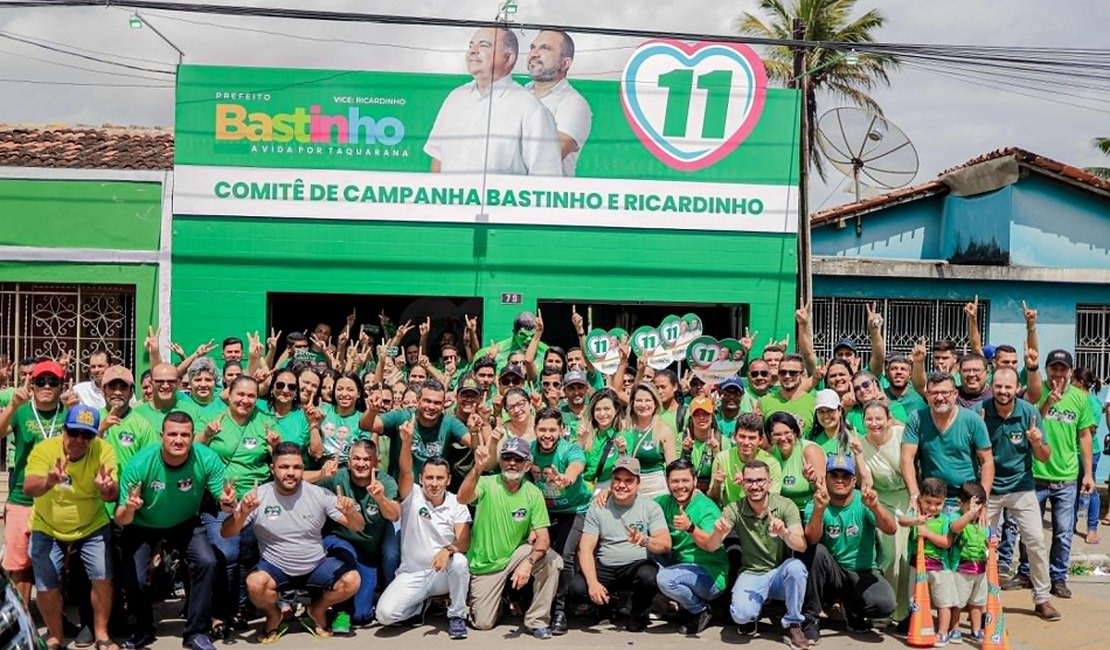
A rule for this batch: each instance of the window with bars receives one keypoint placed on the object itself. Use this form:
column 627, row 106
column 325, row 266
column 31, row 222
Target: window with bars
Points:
column 1092, row 339
column 51, row 319
column 904, row 323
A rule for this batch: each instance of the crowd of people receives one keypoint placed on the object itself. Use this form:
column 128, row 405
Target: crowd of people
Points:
column 334, row 486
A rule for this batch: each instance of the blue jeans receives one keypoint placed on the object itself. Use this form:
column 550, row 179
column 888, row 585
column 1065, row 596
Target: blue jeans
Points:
column 391, row 551
column 1093, row 501
column 1062, row 496
column 238, row 554
column 1008, row 541
column 361, row 605
column 689, row 585
column 786, row 582
column 48, row 557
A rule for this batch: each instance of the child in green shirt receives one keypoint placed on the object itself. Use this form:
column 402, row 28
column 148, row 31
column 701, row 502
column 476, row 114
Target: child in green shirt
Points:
column 934, row 525
column 971, row 552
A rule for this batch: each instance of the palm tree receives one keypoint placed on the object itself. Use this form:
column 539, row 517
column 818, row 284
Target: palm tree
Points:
column 832, row 72
column 1103, row 145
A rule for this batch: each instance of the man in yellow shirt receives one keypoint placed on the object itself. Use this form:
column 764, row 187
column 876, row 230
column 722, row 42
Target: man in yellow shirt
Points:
column 70, row 477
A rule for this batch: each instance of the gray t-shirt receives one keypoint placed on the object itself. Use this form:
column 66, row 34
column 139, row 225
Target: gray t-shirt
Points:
column 288, row 527
column 611, row 525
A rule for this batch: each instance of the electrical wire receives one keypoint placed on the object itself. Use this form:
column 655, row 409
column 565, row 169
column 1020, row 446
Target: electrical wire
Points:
column 44, row 82
column 72, row 66
column 88, row 57
column 88, row 51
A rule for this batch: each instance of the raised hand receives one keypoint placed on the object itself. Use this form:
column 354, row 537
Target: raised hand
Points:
column 214, row 426
column 680, row 520
column 204, row 348
column 1032, row 357
column 809, row 472
column 918, row 353
column 1059, row 387
column 749, row 339
column 972, row 308
column 577, row 321
column 687, row 443
column 404, row 329
column 1030, row 315
column 636, row 536
column 620, row 444
column 70, row 398
column 104, row 481
column 870, row 498
column 352, row 317
column 820, row 496
column 1034, row 435
column 272, row 437
column 481, row 457
column 874, row 318
column 330, row 468
column 539, row 322
column 344, row 504
column 722, row 526
column 178, row 350
column 776, row 527
column 426, row 327
column 134, row 498
column 801, row 315
column 21, row 395
column 315, row 415
column 150, row 343
column 272, row 340
column 227, row 495
column 250, row 500
column 57, row 474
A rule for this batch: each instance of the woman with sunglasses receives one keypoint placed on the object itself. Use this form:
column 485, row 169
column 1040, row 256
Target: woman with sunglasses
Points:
column 598, row 435
column 866, row 388
column 880, row 448
column 803, row 461
column 702, row 440
column 242, row 437
column 649, row 440
column 296, row 424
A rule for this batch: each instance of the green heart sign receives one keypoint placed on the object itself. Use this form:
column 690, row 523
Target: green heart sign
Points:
column 714, row 360
column 603, row 350
column 669, row 331
column 648, row 344
column 690, row 329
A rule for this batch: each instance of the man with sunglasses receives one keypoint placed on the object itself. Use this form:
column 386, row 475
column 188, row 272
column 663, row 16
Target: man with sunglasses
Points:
column 792, row 396
column 166, row 398
column 866, row 388
column 841, row 528
column 71, row 477
column 120, row 425
column 573, row 406
column 551, row 386
column 508, row 511
column 760, row 379
column 734, row 401
column 35, row 414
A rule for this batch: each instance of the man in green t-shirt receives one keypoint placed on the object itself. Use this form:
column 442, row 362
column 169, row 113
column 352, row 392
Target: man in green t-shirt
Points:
column 769, row 529
column 120, row 426
column 727, row 485
column 841, row 528
column 166, row 398
column 792, row 396
column 508, row 512
column 159, row 505
column 619, row 540
column 1069, row 423
column 696, row 576
column 898, row 387
column 375, row 492
column 433, row 432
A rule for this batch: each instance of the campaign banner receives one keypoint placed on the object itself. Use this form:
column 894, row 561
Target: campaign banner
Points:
column 689, row 137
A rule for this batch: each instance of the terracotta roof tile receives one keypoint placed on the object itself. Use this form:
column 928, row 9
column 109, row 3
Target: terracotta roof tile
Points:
column 1026, row 159
column 85, row 147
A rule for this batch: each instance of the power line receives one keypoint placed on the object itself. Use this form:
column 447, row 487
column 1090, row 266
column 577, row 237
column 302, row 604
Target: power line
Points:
column 84, row 84
column 73, row 66
column 88, row 57
column 82, row 49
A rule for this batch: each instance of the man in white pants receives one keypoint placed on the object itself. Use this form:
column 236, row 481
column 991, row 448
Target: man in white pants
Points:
column 435, row 528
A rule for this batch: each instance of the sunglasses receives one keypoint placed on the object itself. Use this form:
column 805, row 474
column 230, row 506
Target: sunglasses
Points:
column 512, row 381
column 281, row 385
column 789, row 373
column 760, row 373
column 866, row 384
column 551, row 384
column 450, row 357
column 43, row 382
column 163, row 382
column 87, row 435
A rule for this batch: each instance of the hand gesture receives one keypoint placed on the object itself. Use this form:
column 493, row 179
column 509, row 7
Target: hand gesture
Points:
column 874, row 318
column 1034, row 435
column 809, row 472
column 330, row 468
column 776, row 527
column 972, row 308
column 134, row 498
column 522, row 574
column 272, row 340
column 344, row 504
column 621, row 445
column 104, row 481
column 680, row 521
column 539, row 323
column 636, row 536
column 537, row 400
column 406, row 430
column 376, row 488
column 855, row 445
column 57, row 474
column 722, row 526
column 227, row 495
column 1029, row 314
column 150, row 343
column 801, row 315
column 402, row 330
column 344, row 336
column 1032, row 357
column 749, row 339
column 820, row 496
column 870, row 498
column 439, row 561
column 599, row 595
column 111, row 420
column 426, row 327
column 272, row 437
column 352, row 317
column 424, row 361
column 687, row 443
column 315, row 415
column 214, row 426
column 576, row 320
column 719, row 476
column 178, row 350
column 70, row 398
column 918, row 353
column 21, row 395
column 481, row 457
column 713, row 443
column 1059, row 387
column 625, row 347
column 250, row 500
column 254, row 344
column 975, row 507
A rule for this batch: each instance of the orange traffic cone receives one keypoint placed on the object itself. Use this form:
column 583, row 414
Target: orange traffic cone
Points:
column 922, row 634
column 994, row 631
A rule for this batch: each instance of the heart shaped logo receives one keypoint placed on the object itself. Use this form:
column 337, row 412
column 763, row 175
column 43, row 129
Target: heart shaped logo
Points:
column 713, row 360
column 648, row 344
column 603, row 350
column 692, row 104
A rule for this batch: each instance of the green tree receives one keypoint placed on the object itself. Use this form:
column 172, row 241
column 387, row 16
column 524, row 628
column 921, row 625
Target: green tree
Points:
column 832, row 72
column 1103, row 145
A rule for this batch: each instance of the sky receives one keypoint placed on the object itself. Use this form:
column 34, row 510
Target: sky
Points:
column 949, row 121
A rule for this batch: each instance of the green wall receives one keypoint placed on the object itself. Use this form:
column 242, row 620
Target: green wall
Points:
column 223, row 268
column 80, row 214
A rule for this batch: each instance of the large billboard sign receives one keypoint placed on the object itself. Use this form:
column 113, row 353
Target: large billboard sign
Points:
column 689, row 137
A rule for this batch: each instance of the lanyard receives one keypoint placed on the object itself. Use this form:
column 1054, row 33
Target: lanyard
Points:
column 53, row 421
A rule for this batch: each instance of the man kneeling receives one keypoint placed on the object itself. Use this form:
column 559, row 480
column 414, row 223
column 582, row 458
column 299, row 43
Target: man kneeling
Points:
column 288, row 516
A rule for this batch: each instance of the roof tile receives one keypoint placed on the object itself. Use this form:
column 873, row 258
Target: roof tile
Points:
column 85, row 147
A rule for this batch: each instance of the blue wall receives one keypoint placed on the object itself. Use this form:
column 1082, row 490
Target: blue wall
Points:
column 1058, row 226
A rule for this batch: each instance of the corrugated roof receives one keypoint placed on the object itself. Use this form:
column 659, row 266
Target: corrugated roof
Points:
column 1026, row 159
column 85, row 147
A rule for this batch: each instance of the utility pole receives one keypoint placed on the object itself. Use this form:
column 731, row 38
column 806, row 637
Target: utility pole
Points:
column 801, row 82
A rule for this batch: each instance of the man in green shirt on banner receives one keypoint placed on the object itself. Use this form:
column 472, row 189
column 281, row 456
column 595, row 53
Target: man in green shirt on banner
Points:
column 842, row 526
column 159, row 505
column 696, row 576
column 510, row 544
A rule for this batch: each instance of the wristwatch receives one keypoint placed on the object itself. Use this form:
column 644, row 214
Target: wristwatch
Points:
column 690, row 528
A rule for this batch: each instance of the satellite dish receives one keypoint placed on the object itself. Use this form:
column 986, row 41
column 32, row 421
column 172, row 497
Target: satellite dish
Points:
column 867, row 148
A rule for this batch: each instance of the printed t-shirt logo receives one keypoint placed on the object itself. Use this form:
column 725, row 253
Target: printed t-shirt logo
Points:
column 424, row 513
column 185, row 484
column 637, row 526
column 126, row 439
column 371, row 509
column 1016, row 437
column 1062, row 416
column 852, row 530
column 788, row 481
column 250, row 443
column 157, row 486
column 833, row 531
column 433, row 448
column 519, row 514
column 272, row 512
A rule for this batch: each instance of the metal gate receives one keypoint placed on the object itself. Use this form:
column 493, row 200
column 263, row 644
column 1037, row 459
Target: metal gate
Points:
column 904, row 323
column 51, row 319
column 1092, row 339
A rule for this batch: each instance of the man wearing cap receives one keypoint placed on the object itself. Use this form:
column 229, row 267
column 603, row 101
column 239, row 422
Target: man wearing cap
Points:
column 841, row 529
column 769, row 529
column 34, row 414
column 166, row 398
column 89, row 391
column 460, row 456
column 434, row 430
column 71, row 477
column 946, row 441
column 792, row 397
column 617, row 545
column 727, row 485
column 1014, row 426
column 1069, row 423
column 120, row 425
column 509, row 512
column 512, row 376
column 575, row 388
column 734, row 401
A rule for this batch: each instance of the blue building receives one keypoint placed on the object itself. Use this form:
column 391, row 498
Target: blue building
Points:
column 1008, row 226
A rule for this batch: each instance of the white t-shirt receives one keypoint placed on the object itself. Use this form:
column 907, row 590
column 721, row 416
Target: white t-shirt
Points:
column 425, row 529
column 90, row 394
column 522, row 134
column 572, row 117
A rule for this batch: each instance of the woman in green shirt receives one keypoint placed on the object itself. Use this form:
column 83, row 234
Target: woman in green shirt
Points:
column 803, row 461
column 830, row 429
column 702, row 440
column 649, row 440
column 598, row 436
column 296, row 424
column 201, row 378
column 340, row 426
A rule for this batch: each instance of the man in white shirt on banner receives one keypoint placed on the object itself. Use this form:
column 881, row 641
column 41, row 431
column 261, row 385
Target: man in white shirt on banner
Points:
column 521, row 132
column 436, row 531
column 549, row 61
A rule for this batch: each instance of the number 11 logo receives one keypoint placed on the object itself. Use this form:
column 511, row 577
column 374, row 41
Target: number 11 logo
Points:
column 692, row 105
